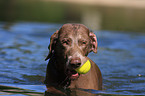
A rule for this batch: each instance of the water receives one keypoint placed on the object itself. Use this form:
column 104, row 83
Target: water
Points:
column 23, row 48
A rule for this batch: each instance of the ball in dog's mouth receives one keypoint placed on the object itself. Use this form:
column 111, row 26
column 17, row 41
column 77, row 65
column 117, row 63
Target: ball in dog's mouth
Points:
column 85, row 68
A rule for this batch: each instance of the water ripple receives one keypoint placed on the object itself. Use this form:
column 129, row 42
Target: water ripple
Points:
column 121, row 57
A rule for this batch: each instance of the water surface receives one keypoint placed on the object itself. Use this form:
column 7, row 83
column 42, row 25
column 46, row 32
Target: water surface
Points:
column 23, row 48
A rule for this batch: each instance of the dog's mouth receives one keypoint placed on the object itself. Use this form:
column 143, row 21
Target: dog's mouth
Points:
column 73, row 75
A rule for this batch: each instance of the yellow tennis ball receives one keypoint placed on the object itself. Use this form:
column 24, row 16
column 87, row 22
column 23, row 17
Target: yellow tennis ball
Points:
column 85, row 68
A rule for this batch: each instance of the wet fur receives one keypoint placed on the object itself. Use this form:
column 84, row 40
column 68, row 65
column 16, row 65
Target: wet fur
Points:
column 71, row 41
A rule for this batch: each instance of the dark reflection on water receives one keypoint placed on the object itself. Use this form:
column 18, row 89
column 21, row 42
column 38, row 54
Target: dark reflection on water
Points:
column 23, row 47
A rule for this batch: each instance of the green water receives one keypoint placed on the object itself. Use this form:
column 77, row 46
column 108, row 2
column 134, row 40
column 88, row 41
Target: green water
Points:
column 95, row 17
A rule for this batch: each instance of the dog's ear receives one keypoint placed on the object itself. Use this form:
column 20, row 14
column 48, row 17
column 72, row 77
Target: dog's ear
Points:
column 51, row 46
column 94, row 42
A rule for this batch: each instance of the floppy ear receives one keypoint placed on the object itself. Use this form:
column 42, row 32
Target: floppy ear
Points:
column 51, row 46
column 94, row 42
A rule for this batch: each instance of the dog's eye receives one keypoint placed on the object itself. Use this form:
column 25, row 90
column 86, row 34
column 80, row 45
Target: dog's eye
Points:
column 65, row 41
column 82, row 42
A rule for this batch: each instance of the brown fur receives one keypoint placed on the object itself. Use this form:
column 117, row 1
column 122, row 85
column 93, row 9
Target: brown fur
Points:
column 68, row 49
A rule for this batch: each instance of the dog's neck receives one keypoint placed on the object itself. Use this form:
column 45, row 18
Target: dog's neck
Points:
column 60, row 77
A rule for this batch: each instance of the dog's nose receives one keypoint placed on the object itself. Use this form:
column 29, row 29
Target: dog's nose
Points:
column 75, row 62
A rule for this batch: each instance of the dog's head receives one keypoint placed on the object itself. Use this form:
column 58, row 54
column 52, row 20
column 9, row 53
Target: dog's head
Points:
column 71, row 44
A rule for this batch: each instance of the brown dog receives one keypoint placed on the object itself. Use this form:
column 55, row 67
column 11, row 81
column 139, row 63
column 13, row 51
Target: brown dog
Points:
column 68, row 50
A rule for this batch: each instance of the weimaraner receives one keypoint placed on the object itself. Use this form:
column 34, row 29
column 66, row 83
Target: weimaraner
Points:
column 68, row 50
